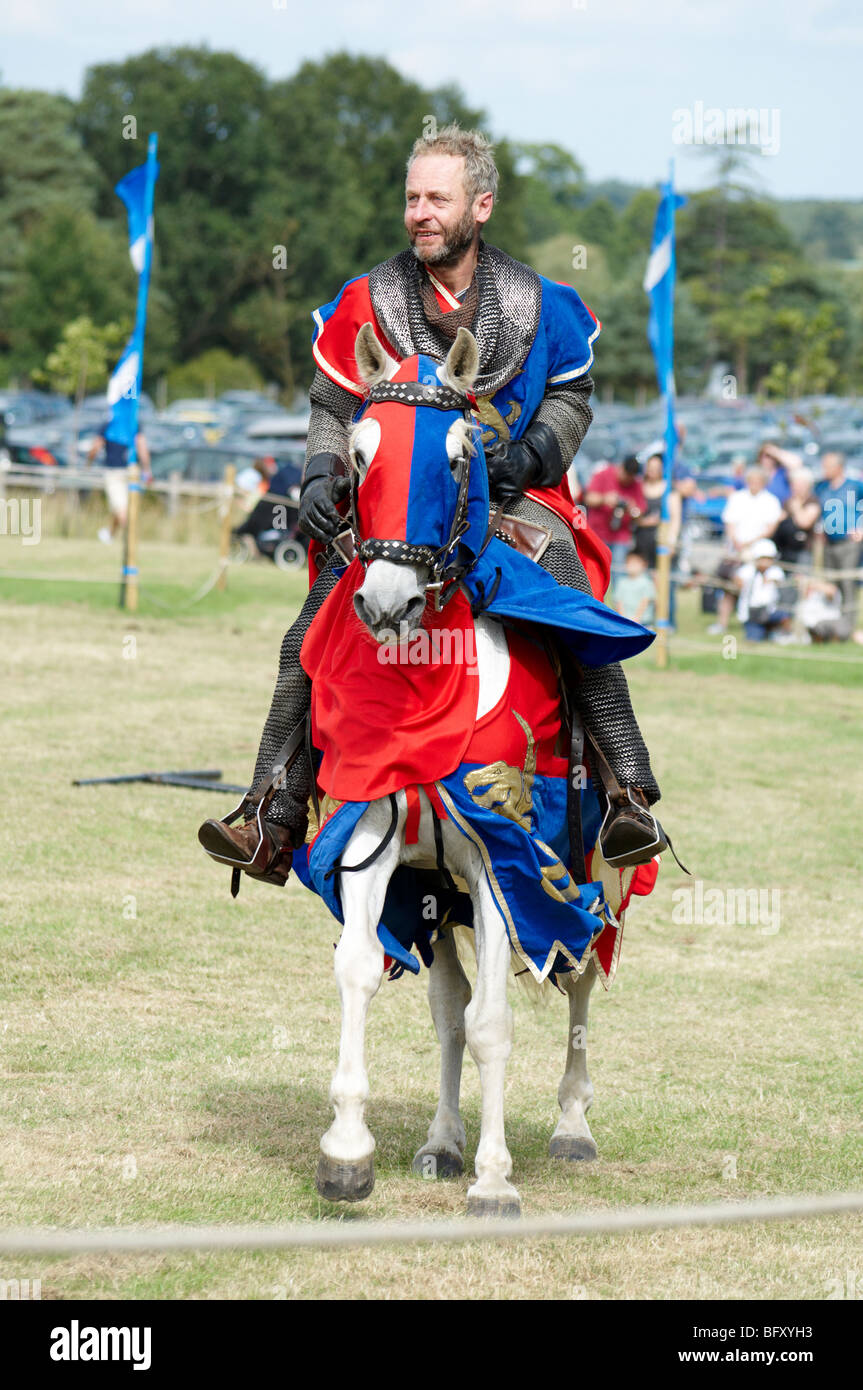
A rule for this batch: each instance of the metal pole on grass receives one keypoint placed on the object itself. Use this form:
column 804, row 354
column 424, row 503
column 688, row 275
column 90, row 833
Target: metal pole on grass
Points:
column 225, row 530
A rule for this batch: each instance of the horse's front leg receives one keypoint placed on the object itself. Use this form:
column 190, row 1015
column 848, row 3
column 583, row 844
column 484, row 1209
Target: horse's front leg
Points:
column 488, row 1026
column 346, row 1165
column 572, row 1139
column 449, row 995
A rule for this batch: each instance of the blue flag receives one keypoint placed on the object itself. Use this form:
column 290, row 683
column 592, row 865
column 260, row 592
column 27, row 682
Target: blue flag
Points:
column 659, row 284
column 124, row 387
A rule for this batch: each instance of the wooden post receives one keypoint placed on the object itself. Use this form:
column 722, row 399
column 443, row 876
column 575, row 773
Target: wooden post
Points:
column 225, row 531
column 130, row 548
column 663, row 593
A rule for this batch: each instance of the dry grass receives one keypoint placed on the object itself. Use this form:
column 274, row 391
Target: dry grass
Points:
column 166, row 1052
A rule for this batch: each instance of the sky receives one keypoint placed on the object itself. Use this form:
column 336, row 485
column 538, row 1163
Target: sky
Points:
column 619, row 83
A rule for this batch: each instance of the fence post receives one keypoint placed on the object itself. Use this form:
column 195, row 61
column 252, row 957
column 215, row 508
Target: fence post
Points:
column 225, row 530
column 130, row 557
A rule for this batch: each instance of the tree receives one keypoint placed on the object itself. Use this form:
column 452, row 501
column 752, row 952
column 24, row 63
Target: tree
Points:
column 348, row 205
column 213, row 372
column 73, row 267
column 83, row 357
column 42, row 166
column 832, row 233
column 552, row 189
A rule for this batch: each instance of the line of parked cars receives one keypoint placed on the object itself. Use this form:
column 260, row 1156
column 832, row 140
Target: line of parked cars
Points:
column 197, row 438
column 194, row 438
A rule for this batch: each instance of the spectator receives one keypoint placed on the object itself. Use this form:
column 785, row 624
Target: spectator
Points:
column 819, row 611
column 841, row 521
column 777, row 464
column 758, row 606
column 614, row 499
column 793, row 535
column 750, row 515
column 635, row 593
column 280, row 481
column 115, row 480
column 647, row 527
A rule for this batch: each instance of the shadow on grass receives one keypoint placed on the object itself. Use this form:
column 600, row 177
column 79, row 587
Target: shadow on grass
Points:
column 283, row 1125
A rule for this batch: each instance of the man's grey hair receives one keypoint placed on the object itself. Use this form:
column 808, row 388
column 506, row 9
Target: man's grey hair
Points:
column 480, row 170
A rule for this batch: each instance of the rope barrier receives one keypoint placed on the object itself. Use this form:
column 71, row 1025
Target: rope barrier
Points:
column 350, row 1234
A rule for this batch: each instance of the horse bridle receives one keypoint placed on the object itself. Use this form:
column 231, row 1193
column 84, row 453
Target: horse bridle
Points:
column 444, row 576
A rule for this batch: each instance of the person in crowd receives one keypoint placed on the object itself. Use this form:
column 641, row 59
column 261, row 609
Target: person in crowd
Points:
column 265, row 515
column 647, row 525
column 759, row 606
column 819, row 611
column 635, row 591
column 614, row 501
column 751, row 514
column 800, row 516
column 841, row 499
column 646, row 533
column 115, row 479
column 778, row 464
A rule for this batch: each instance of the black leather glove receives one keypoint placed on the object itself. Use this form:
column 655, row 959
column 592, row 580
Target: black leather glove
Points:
column 534, row 460
column 322, row 489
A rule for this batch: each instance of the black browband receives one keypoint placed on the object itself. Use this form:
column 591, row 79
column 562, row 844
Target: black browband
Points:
column 421, row 393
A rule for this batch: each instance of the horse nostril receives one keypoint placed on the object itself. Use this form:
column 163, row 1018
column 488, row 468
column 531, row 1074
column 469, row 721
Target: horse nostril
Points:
column 412, row 612
column 366, row 609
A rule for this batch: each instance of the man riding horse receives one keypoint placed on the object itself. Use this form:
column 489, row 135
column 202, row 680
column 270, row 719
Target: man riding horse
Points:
column 533, row 399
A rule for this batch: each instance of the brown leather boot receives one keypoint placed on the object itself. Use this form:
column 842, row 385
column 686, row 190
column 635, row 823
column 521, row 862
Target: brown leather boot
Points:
column 630, row 834
column 266, row 858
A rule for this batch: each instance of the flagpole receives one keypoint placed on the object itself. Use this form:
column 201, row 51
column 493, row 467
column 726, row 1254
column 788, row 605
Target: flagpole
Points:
column 144, row 281
column 663, row 540
column 128, row 590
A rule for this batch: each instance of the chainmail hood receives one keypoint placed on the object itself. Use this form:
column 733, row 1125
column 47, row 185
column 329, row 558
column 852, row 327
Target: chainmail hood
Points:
column 507, row 315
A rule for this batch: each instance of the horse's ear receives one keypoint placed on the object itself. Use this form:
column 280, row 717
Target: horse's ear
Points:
column 462, row 362
column 374, row 363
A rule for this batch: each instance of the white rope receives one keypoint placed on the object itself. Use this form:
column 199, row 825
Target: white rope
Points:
column 340, row 1234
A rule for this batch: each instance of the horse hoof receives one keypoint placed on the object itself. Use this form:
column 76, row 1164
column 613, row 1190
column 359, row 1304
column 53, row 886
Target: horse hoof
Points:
column 438, row 1163
column 572, row 1148
column 494, row 1206
column 345, row 1182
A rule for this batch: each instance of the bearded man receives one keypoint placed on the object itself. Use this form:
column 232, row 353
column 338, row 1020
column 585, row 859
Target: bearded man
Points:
column 533, row 393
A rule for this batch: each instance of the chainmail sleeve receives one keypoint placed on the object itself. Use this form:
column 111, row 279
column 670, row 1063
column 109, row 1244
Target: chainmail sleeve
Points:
column 567, row 411
column 601, row 696
column 333, row 409
column 289, row 705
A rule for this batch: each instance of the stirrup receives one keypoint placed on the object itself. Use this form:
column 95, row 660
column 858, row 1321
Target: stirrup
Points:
column 646, row 820
column 264, row 863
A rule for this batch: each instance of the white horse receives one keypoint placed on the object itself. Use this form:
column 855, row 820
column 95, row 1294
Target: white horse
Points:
column 391, row 595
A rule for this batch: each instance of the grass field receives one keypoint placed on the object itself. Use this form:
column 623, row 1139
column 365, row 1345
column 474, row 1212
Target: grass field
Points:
column 166, row 1051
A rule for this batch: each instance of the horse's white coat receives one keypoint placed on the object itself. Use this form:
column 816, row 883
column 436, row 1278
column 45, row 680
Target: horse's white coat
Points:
column 485, row 1020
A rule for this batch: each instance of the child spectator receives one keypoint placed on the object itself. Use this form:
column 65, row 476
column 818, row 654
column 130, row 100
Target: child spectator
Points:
column 635, row 593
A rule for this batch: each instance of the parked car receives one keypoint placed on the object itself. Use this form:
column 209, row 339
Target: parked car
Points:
column 207, row 465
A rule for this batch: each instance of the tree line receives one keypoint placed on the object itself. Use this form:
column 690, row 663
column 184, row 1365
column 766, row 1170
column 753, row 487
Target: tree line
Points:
column 273, row 193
